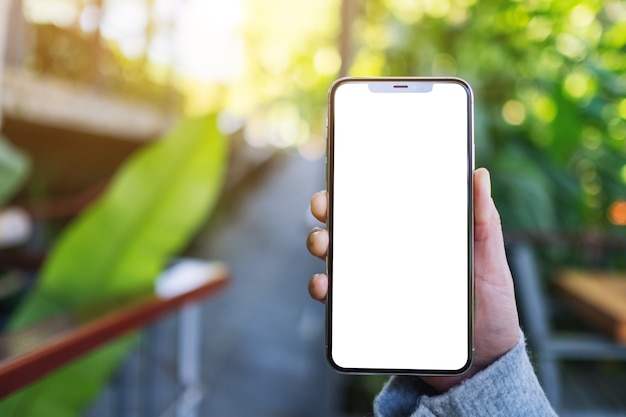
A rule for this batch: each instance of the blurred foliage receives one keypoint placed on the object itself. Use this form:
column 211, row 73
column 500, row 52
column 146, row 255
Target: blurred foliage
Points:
column 14, row 168
column 291, row 59
column 549, row 78
column 118, row 246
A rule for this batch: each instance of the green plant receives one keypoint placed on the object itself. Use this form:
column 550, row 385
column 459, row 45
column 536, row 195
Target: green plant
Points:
column 549, row 86
column 117, row 246
column 14, row 168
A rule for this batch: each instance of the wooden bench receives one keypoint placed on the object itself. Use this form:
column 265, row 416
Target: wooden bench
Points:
column 29, row 354
column 597, row 297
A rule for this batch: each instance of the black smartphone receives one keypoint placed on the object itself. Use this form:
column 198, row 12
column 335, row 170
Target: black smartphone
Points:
column 399, row 175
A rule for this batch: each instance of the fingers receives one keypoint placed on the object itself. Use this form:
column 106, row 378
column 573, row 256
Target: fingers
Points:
column 317, row 242
column 318, row 287
column 319, row 205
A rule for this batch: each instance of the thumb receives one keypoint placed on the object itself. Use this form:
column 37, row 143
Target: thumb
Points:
column 490, row 262
column 484, row 207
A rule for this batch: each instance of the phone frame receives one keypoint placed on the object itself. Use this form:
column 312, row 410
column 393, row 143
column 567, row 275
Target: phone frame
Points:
column 470, row 221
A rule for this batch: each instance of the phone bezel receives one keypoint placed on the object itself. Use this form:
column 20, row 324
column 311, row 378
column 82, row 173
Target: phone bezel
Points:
column 470, row 220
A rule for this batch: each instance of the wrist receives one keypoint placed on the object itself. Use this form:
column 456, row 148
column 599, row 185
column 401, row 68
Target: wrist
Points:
column 445, row 383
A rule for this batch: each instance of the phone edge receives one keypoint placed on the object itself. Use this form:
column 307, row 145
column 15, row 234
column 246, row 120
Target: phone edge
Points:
column 470, row 201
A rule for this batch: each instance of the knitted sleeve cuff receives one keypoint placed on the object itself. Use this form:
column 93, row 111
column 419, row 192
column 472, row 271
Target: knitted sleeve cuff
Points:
column 508, row 387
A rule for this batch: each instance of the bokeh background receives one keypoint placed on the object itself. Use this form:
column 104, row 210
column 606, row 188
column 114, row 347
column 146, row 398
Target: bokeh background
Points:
column 86, row 84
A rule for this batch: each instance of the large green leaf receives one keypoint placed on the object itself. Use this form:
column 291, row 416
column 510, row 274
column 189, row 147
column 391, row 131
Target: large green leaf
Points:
column 119, row 245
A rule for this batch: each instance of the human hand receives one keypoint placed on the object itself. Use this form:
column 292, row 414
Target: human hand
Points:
column 496, row 324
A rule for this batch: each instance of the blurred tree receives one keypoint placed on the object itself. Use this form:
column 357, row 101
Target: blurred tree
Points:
column 549, row 80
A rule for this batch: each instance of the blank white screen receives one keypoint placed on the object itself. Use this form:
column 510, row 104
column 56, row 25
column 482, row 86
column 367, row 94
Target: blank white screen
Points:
column 399, row 251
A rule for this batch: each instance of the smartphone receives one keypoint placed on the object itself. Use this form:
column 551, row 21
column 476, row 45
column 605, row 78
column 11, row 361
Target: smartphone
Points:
column 399, row 175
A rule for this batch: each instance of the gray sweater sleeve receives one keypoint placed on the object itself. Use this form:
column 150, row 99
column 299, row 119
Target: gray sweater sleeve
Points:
column 509, row 387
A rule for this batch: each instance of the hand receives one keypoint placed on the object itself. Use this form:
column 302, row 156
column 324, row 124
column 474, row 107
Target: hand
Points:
column 496, row 324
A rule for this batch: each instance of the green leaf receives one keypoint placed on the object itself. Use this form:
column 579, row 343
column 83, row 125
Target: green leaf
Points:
column 14, row 168
column 155, row 203
column 565, row 129
column 523, row 191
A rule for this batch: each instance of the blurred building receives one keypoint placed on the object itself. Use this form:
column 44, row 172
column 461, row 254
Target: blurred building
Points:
column 71, row 103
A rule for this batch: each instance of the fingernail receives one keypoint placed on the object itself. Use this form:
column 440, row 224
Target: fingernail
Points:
column 487, row 181
column 316, row 230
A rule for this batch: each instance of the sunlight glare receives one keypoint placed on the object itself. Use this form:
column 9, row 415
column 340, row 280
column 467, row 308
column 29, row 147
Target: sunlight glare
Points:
column 576, row 84
column 281, row 126
column 436, row 8
column 458, row 15
column 90, row 18
column 284, row 119
column 571, row 46
column 62, row 13
column 514, row 112
column 123, row 19
column 408, row 11
column 256, row 132
column 274, row 58
column 165, row 9
column 368, row 63
column 133, row 47
column 327, row 61
column 304, row 76
column 615, row 10
column 582, row 16
column 539, row 28
column 207, row 43
column 160, row 49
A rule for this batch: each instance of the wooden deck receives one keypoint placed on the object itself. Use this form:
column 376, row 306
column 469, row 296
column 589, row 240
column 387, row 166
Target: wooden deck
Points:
column 61, row 104
column 66, row 128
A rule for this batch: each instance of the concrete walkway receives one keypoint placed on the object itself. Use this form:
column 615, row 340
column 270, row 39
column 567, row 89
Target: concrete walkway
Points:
column 264, row 336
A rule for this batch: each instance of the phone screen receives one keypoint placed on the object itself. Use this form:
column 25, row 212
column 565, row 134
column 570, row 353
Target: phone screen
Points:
column 400, row 163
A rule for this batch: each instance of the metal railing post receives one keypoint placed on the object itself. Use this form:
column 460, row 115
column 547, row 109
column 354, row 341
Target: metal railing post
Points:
column 189, row 362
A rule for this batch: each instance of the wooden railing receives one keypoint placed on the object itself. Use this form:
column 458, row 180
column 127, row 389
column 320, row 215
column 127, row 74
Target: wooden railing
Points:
column 29, row 354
